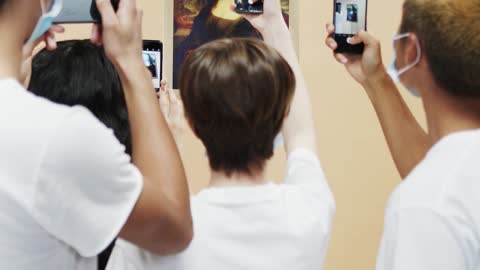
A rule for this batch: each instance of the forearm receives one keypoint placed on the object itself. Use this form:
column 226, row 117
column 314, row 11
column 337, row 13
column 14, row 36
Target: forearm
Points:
column 407, row 141
column 154, row 150
column 298, row 129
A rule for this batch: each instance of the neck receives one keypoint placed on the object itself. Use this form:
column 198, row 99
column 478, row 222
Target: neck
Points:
column 10, row 53
column 219, row 178
column 446, row 115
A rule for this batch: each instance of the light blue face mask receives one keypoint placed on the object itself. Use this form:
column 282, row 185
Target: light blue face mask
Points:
column 46, row 20
column 393, row 70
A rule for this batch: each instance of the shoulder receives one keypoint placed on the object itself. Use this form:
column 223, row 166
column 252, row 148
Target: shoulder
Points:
column 447, row 185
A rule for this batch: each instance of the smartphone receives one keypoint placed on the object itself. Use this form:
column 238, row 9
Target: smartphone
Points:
column 153, row 59
column 244, row 7
column 350, row 16
column 81, row 11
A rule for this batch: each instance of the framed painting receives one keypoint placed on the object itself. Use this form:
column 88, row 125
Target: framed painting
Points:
column 192, row 23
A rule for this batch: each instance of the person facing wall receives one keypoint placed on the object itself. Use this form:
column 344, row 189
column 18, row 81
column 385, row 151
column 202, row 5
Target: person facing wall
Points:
column 239, row 94
column 67, row 188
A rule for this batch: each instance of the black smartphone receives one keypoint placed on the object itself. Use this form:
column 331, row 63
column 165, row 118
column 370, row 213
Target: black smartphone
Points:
column 248, row 7
column 81, row 11
column 350, row 16
column 153, row 59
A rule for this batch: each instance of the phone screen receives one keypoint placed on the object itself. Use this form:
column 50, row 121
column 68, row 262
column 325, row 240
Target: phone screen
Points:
column 244, row 6
column 80, row 11
column 350, row 17
column 153, row 58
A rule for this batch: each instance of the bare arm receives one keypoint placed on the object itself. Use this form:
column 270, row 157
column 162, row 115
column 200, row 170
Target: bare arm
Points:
column 407, row 141
column 161, row 220
column 298, row 129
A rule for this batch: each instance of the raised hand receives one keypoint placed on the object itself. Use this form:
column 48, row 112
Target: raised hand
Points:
column 120, row 32
column 362, row 68
column 272, row 15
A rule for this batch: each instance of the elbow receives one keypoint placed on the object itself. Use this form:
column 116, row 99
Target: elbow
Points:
column 175, row 234
column 184, row 236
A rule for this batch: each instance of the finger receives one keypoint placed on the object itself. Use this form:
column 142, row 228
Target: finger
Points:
column 96, row 37
column 107, row 12
column 331, row 43
column 56, row 28
column 330, row 28
column 342, row 59
column 367, row 39
column 355, row 40
column 176, row 109
column 50, row 41
column 172, row 98
column 163, row 85
column 164, row 104
column 127, row 6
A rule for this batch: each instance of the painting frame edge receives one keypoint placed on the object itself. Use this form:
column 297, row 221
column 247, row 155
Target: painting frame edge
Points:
column 168, row 7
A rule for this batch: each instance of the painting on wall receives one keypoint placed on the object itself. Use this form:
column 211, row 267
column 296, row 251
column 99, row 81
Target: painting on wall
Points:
column 196, row 22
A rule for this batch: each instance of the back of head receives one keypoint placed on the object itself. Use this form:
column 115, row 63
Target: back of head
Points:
column 449, row 34
column 237, row 93
column 79, row 73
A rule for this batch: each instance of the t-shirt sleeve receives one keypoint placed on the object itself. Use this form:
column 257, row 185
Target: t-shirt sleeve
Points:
column 86, row 185
column 420, row 239
column 305, row 171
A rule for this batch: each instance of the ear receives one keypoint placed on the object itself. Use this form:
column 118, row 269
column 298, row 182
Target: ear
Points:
column 411, row 49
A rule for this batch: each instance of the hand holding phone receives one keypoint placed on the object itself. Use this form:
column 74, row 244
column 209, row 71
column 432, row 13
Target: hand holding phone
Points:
column 350, row 16
column 81, row 11
column 364, row 68
column 249, row 6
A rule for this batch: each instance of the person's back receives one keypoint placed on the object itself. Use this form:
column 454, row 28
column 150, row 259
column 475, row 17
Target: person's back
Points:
column 67, row 188
column 26, row 166
column 437, row 206
column 238, row 96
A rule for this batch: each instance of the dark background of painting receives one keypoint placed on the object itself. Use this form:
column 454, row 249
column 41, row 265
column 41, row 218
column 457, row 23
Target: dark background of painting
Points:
column 194, row 25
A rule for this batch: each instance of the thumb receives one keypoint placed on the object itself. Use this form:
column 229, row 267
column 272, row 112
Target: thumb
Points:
column 365, row 38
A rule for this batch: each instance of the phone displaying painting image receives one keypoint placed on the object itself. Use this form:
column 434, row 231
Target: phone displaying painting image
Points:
column 153, row 59
column 350, row 16
column 249, row 6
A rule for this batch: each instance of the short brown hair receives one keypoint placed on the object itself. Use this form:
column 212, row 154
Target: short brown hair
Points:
column 237, row 93
column 449, row 33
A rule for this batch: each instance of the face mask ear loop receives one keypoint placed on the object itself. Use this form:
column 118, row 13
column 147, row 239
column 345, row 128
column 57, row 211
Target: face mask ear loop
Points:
column 417, row 60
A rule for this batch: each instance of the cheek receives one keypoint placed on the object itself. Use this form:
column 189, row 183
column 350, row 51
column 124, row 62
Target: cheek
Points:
column 31, row 12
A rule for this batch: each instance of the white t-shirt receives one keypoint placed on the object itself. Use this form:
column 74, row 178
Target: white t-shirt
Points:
column 433, row 218
column 66, row 186
column 281, row 227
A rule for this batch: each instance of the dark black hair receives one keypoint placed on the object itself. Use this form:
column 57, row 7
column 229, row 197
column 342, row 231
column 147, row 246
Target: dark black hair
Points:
column 79, row 73
column 2, row 3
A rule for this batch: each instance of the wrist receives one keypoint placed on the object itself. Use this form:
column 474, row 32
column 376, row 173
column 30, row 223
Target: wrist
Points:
column 133, row 72
column 275, row 29
column 377, row 83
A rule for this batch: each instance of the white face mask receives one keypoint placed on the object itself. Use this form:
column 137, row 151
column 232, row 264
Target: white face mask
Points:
column 393, row 70
column 46, row 20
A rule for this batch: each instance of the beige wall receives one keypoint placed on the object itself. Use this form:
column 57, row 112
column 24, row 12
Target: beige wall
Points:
column 351, row 144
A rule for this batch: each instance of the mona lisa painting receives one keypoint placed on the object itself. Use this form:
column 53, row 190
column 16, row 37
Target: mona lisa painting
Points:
column 196, row 22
